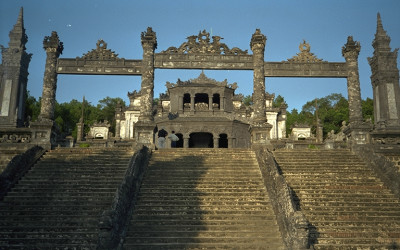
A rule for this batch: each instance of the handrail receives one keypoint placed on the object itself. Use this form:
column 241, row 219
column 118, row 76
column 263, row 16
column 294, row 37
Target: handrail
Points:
column 18, row 167
column 114, row 221
column 292, row 223
column 385, row 169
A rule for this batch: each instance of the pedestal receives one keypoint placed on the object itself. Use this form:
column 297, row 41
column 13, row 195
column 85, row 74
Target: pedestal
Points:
column 358, row 133
column 260, row 134
column 144, row 134
column 44, row 133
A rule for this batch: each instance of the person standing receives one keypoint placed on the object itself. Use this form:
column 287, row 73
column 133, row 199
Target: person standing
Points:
column 173, row 139
column 161, row 138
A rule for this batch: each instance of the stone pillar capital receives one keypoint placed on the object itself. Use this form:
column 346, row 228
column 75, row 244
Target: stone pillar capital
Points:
column 149, row 39
column 52, row 44
column 258, row 41
column 351, row 49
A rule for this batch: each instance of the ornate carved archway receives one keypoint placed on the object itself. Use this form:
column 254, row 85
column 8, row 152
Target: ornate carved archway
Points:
column 201, row 52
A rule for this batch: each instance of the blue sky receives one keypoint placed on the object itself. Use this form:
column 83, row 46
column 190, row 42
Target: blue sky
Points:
column 322, row 23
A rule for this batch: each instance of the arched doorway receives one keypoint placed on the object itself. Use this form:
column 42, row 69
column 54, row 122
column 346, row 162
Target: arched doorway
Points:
column 223, row 141
column 201, row 140
column 179, row 144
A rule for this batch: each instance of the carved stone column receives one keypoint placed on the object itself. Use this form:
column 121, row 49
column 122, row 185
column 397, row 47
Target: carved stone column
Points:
column 149, row 44
column 257, row 45
column 118, row 117
column 259, row 128
column 350, row 52
column 54, row 48
column 357, row 132
column 144, row 129
column 210, row 102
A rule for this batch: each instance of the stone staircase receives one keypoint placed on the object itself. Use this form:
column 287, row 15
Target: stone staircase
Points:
column 203, row 199
column 57, row 204
column 347, row 205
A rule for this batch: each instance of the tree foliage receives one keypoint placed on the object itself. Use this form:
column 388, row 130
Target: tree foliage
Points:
column 331, row 111
column 68, row 114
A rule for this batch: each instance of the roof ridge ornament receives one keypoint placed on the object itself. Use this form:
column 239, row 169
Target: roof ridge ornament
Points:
column 202, row 79
column 101, row 53
column 305, row 56
column 201, row 44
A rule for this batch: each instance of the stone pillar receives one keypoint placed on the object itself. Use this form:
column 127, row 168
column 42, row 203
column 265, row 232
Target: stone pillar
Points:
column 222, row 105
column 357, row 132
column 192, row 102
column 259, row 128
column 149, row 44
column 257, row 45
column 118, row 117
column 144, row 129
column 54, row 48
column 216, row 142
column 230, row 142
column 385, row 85
column 210, row 102
column 350, row 52
column 79, row 132
column 14, row 77
column 186, row 141
column 319, row 132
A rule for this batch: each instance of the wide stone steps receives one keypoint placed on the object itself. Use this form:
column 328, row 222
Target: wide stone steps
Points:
column 58, row 203
column 203, row 199
column 348, row 206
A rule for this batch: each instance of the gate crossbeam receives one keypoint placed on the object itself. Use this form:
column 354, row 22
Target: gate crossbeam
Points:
column 306, row 69
column 99, row 67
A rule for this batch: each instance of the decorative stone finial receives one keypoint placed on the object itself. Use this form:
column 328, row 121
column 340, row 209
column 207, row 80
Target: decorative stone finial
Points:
column 381, row 40
column 305, row 55
column 202, row 44
column 351, row 48
column 258, row 40
column 17, row 35
column 149, row 37
column 53, row 44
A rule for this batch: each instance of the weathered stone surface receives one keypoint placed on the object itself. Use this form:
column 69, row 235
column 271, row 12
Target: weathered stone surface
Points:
column 14, row 77
column 293, row 225
column 385, row 82
column 54, row 48
column 113, row 223
column 350, row 52
column 149, row 44
column 203, row 199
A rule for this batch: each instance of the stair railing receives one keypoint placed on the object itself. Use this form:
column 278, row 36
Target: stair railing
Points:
column 114, row 222
column 292, row 223
column 18, row 167
column 385, row 169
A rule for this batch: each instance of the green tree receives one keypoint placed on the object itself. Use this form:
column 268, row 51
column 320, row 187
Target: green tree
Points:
column 248, row 100
column 368, row 109
column 278, row 101
column 106, row 108
column 32, row 107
